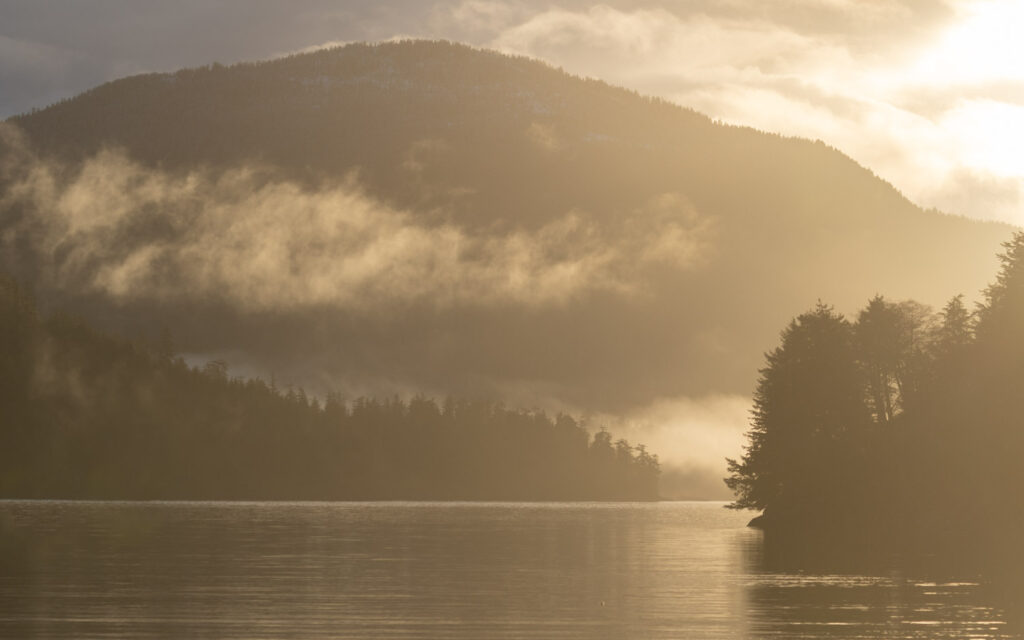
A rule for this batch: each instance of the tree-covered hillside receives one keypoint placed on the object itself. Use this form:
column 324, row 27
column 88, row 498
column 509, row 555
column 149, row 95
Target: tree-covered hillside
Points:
column 424, row 215
column 85, row 415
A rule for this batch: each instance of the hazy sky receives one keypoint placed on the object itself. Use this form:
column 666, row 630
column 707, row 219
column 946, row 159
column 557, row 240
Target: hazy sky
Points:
column 929, row 95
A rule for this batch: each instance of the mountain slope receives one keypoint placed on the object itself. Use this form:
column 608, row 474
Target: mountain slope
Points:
column 427, row 216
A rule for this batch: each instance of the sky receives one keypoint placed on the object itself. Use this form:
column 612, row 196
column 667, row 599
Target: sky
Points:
column 928, row 95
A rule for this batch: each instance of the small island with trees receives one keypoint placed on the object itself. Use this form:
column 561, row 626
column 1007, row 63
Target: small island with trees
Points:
column 899, row 431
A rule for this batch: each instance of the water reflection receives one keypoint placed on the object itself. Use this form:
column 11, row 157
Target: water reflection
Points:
column 125, row 570
column 390, row 570
column 807, row 594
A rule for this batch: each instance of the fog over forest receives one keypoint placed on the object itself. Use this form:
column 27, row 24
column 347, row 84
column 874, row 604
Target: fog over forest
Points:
column 424, row 217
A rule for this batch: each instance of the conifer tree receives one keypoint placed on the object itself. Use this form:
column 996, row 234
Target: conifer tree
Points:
column 808, row 406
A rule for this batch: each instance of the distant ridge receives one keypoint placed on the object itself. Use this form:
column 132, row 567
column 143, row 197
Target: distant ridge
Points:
column 702, row 237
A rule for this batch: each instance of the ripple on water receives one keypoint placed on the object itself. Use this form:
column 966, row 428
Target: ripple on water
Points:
column 429, row 570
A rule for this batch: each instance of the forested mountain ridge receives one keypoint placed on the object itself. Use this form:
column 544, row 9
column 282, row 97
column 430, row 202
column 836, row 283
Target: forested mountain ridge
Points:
column 366, row 107
column 428, row 216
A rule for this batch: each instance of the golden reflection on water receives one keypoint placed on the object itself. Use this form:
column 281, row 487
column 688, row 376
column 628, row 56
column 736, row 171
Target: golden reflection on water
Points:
column 422, row 570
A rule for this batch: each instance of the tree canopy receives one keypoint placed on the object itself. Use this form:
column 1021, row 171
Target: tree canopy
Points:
column 905, row 425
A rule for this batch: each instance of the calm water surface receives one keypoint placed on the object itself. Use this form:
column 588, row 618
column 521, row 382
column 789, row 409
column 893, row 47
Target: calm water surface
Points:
column 442, row 570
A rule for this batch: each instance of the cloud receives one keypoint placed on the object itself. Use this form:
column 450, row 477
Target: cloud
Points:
column 919, row 104
column 474, row 19
column 330, row 44
column 692, row 437
column 968, row 190
column 693, row 431
column 609, row 43
column 243, row 236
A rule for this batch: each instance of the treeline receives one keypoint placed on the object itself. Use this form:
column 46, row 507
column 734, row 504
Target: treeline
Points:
column 85, row 415
column 901, row 426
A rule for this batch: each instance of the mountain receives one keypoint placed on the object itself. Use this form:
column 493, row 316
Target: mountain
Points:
column 425, row 216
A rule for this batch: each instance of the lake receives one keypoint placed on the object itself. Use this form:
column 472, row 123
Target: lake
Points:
column 444, row 570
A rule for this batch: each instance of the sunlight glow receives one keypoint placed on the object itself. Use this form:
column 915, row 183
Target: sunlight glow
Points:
column 984, row 47
column 979, row 55
column 991, row 135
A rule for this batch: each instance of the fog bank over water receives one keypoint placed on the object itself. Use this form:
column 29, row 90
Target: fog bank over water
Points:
column 692, row 437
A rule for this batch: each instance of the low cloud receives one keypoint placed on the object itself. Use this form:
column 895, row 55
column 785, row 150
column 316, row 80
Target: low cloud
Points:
column 612, row 41
column 114, row 227
column 475, row 19
column 692, row 437
column 965, row 190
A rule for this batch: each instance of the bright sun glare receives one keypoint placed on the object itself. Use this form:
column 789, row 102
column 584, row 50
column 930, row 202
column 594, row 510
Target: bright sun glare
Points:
column 985, row 46
column 980, row 55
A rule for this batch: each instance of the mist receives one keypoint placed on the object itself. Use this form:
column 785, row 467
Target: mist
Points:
column 509, row 233
column 243, row 235
column 508, row 318
column 692, row 437
column 250, row 239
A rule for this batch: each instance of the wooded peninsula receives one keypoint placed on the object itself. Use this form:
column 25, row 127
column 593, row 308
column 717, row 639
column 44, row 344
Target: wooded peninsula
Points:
column 900, row 429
